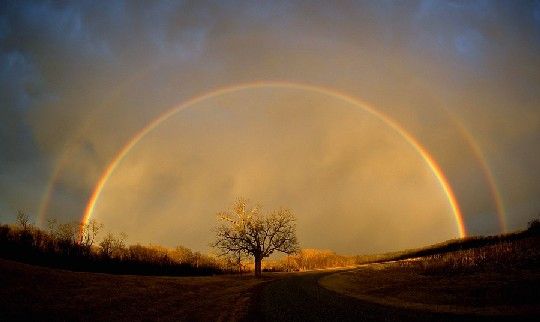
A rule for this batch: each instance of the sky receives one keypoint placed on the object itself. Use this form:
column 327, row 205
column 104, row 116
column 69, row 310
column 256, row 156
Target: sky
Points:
column 80, row 80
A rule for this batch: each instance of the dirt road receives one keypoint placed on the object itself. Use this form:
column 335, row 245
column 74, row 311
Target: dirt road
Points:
column 299, row 297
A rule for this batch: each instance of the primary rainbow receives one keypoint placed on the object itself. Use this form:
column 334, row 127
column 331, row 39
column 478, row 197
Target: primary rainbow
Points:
column 69, row 147
column 435, row 168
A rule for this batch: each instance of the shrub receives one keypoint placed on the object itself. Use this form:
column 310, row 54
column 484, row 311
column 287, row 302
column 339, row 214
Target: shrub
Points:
column 533, row 227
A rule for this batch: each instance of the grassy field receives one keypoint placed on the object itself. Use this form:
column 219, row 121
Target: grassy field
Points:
column 451, row 246
column 500, row 278
column 37, row 293
column 503, row 256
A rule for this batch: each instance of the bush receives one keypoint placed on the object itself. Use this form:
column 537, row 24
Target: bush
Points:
column 533, row 227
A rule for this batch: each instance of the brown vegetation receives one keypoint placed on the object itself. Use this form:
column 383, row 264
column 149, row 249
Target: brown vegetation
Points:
column 72, row 246
column 450, row 246
column 310, row 259
column 501, row 278
column 519, row 250
column 506, row 255
column 75, row 246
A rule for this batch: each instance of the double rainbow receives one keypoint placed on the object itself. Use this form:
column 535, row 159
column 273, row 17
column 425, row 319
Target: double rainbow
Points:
column 430, row 162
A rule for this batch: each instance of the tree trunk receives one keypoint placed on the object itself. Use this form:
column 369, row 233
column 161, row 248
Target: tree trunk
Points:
column 258, row 260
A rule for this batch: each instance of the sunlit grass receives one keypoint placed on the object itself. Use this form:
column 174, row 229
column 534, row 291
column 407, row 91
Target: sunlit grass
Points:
column 504, row 255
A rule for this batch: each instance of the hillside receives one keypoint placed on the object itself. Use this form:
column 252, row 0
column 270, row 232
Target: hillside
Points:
column 452, row 245
column 494, row 276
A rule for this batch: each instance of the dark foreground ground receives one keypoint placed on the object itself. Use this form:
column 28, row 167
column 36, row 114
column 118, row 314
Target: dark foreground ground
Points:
column 301, row 298
column 32, row 293
column 36, row 293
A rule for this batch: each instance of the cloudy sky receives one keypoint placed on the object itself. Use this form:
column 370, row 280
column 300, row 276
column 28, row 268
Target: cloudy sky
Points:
column 78, row 80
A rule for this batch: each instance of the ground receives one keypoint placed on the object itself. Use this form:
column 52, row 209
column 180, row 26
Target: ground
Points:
column 36, row 293
column 513, row 292
column 30, row 293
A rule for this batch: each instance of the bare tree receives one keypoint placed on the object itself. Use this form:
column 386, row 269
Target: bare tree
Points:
column 88, row 232
column 112, row 246
column 23, row 220
column 106, row 245
column 249, row 231
column 183, row 254
column 67, row 233
column 237, row 258
column 51, row 224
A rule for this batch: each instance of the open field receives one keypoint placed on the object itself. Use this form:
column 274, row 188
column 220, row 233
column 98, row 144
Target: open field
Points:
column 508, row 293
column 497, row 279
column 495, row 282
column 38, row 293
column 374, row 292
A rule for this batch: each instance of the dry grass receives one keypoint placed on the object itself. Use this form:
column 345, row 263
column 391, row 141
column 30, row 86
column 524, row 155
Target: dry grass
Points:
column 498, row 279
column 37, row 293
column 502, row 256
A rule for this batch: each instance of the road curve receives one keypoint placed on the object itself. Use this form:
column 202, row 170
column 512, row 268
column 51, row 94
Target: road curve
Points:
column 299, row 297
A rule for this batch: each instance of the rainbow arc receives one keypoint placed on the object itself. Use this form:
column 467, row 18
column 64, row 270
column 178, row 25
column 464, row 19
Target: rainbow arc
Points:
column 156, row 122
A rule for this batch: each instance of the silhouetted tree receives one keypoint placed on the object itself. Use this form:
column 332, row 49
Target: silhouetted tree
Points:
column 247, row 230
column 533, row 226
column 23, row 220
column 25, row 233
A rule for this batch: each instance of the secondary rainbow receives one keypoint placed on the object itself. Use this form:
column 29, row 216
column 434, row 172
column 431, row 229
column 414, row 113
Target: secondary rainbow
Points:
column 488, row 174
column 435, row 168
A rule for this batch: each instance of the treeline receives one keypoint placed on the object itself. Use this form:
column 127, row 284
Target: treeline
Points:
column 74, row 246
column 310, row 259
